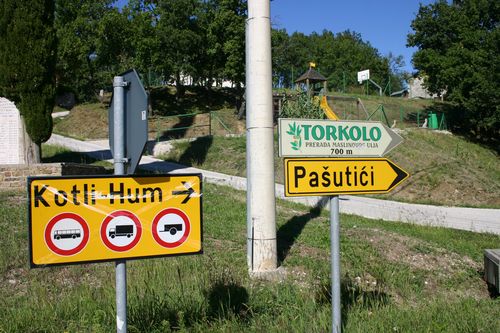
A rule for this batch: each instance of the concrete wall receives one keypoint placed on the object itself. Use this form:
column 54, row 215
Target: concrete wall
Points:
column 13, row 177
column 417, row 90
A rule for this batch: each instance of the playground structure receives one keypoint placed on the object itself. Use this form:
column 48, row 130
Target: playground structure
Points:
column 354, row 108
column 327, row 109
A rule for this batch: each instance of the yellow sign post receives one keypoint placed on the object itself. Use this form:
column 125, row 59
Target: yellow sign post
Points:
column 92, row 219
column 326, row 176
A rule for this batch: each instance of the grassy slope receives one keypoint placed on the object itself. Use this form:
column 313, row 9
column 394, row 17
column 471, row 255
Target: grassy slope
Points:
column 90, row 121
column 444, row 169
column 395, row 278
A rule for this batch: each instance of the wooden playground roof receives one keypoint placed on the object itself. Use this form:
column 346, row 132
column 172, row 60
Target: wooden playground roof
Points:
column 312, row 76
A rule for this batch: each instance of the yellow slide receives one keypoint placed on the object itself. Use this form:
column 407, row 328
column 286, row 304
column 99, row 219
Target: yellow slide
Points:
column 327, row 110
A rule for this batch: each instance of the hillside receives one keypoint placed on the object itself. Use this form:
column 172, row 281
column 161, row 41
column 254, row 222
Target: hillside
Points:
column 445, row 169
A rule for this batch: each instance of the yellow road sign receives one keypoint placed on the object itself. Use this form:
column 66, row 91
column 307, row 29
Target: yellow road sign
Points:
column 91, row 219
column 331, row 176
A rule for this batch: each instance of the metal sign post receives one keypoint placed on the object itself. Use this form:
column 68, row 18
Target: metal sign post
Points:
column 335, row 261
column 128, row 135
column 135, row 126
column 119, row 163
column 327, row 166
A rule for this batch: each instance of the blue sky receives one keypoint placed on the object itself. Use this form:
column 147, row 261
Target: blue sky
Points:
column 384, row 23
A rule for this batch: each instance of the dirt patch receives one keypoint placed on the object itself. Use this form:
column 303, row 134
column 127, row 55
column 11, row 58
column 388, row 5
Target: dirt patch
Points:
column 442, row 268
column 310, row 252
column 415, row 253
column 15, row 280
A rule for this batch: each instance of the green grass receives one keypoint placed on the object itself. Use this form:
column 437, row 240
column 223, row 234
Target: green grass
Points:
column 85, row 121
column 395, row 278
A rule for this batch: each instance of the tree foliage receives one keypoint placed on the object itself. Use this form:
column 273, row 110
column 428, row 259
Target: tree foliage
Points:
column 459, row 44
column 79, row 33
column 338, row 57
column 27, row 62
column 199, row 41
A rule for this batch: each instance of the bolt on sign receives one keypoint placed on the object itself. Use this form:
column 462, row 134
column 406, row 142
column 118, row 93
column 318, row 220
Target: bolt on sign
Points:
column 328, row 176
column 105, row 218
column 326, row 138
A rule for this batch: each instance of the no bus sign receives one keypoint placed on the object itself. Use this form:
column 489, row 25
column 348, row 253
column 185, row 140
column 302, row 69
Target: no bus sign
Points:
column 91, row 219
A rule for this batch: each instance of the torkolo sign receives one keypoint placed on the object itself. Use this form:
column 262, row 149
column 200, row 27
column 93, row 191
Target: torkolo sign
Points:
column 326, row 138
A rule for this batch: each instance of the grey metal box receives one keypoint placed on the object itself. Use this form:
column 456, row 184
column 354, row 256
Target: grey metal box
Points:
column 491, row 272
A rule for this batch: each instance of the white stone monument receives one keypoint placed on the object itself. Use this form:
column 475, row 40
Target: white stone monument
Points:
column 11, row 134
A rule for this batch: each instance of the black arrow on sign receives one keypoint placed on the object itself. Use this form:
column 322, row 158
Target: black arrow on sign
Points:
column 189, row 190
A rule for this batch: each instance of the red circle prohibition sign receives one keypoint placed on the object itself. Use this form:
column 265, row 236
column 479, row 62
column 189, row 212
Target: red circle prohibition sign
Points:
column 67, row 252
column 154, row 227
column 109, row 218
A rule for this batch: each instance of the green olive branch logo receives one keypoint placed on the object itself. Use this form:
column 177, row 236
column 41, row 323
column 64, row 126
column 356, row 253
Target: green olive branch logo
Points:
column 295, row 131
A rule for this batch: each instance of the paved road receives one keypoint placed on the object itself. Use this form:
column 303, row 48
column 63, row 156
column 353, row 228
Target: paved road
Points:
column 472, row 219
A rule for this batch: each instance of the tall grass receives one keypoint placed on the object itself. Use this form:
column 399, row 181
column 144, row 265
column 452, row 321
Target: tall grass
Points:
column 395, row 278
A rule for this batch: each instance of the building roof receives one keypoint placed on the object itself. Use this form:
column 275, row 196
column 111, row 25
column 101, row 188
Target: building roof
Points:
column 312, row 76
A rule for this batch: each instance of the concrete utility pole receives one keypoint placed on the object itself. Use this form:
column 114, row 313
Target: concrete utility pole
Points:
column 261, row 203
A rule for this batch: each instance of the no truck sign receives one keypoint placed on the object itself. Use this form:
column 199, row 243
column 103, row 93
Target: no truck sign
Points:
column 90, row 219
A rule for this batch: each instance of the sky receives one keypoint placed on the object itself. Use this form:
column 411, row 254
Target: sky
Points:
column 383, row 23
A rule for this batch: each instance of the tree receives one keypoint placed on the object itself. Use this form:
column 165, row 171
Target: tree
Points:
column 179, row 38
column 458, row 46
column 27, row 66
column 397, row 74
column 337, row 56
column 282, row 75
column 144, row 46
column 232, row 15
column 79, row 26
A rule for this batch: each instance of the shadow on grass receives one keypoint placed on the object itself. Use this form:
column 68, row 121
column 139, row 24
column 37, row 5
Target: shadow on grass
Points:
column 196, row 153
column 194, row 99
column 95, row 158
column 150, row 310
column 179, row 130
column 153, row 312
column 226, row 299
column 290, row 231
column 352, row 295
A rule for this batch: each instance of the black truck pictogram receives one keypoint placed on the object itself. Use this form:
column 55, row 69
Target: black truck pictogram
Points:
column 172, row 228
column 121, row 231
